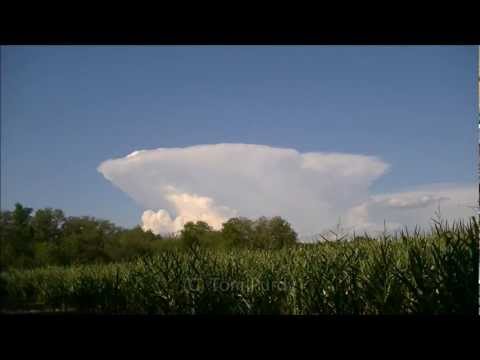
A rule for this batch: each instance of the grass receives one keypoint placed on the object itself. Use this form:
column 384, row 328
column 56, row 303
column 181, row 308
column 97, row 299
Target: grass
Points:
column 417, row 273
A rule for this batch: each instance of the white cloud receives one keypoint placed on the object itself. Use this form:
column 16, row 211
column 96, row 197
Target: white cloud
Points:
column 414, row 207
column 188, row 207
column 405, row 201
column 311, row 190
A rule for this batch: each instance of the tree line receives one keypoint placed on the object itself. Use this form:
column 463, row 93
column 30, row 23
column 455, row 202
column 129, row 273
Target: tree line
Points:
column 47, row 236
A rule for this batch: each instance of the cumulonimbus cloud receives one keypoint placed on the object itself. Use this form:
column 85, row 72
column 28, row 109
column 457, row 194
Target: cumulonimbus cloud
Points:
column 311, row 190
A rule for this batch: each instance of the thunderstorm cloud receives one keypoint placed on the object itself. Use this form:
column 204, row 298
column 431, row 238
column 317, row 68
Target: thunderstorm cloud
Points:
column 311, row 190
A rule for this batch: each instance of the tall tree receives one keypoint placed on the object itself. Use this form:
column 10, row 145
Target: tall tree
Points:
column 47, row 225
column 238, row 232
column 84, row 239
column 19, row 236
column 273, row 233
column 195, row 233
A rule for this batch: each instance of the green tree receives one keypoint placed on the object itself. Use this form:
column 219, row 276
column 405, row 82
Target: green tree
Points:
column 238, row 232
column 194, row 234
column 47, row 225
column 261, row 234
column 281, row 232
column 273, row 233
column 130, row 243
column 16, row 238
column 7, row 250
column 84, row 239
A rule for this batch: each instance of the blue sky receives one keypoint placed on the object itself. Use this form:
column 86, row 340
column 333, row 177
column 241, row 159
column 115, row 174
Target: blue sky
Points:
column 64, row 110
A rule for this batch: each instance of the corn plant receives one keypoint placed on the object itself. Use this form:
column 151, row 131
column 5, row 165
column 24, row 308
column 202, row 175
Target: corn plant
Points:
column 405, row 273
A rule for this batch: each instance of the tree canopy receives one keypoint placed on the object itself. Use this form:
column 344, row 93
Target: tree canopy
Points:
column 48, row 237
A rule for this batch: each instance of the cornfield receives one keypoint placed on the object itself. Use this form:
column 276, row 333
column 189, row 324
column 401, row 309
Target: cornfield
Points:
column 417, row 273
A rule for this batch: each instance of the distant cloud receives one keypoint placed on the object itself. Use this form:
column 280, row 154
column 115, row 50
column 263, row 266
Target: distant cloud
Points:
column 188, row 207
column 311, row 190
column 410, row 202
column 414, row 207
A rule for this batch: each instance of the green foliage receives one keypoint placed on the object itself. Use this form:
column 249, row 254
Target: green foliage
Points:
column 433, row 273
column 238, row 232
column 16, row 236
column 129, row 244
column 274, row 233
column 47, row 225
column 194, row 234
column 48, row 237
column 248, row 267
